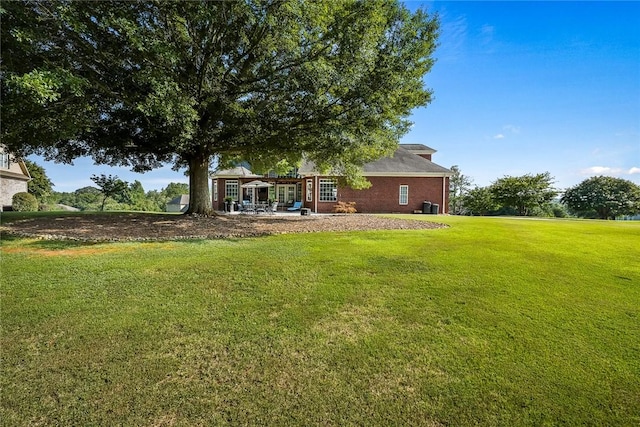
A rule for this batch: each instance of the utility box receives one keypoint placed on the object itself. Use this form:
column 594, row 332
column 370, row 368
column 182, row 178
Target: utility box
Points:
column 305, row 211
column 426, row 207
column 434, row 208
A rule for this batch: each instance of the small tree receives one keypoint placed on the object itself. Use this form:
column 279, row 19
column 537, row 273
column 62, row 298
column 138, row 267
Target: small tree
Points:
column 459, row 185
column 24, row 202
column 608, row 197
column 40, row 185
column 479, row 201
column 110, row 186
column 524, row 193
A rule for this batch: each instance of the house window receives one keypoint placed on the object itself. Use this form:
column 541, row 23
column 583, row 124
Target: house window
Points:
column 328, row 190
column 231, row 189
column 286, row 194
column 215, row 190
column 309, row 190
column 4, row 160
column 404, row 194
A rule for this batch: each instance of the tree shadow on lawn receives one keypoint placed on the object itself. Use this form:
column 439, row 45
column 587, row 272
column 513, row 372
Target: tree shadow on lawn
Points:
column 48, row 244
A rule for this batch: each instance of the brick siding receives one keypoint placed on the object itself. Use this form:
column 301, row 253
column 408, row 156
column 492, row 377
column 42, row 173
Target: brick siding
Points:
column 384, row 194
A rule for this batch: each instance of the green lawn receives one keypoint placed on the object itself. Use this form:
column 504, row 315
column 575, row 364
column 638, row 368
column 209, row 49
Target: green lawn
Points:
column 493, row 321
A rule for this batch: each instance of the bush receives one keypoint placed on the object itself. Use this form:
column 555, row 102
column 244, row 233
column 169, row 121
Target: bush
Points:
column 344, row 207
column 24, row 202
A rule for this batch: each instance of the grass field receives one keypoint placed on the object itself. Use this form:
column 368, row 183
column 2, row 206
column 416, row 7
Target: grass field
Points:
column 493, row 321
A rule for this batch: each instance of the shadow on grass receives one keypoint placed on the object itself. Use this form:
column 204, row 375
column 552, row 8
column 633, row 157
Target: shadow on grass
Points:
column 62, row 244
column 49, row 244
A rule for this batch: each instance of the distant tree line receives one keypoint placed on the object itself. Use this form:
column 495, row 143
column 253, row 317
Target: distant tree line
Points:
column 534, row 195
column 528, row 195
column 118, row 195
column 110, row 193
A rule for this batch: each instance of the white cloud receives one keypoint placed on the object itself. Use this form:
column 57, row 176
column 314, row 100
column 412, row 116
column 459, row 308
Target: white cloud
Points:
column 453, row 37
column 601, row 170
column 511, row 129
column 506, row 131
column 606, row 170
column 486, row 34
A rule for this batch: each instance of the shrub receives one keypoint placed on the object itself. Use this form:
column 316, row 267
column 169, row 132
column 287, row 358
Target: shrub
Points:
column 24, row 202
column 344, row 207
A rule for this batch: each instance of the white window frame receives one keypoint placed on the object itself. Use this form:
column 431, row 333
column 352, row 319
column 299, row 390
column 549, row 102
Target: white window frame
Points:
column 286, row 193
column 215, row 190
column 327, row 190
column 5, row 161
column 309, row 190
column 231, row 189
column 403, row 198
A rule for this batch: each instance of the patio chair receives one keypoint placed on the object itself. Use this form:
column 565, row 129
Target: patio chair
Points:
column 273, row 208
column 296, row 206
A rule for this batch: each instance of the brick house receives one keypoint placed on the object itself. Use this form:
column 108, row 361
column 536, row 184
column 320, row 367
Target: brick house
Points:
column 399, row 184
column 14, row 177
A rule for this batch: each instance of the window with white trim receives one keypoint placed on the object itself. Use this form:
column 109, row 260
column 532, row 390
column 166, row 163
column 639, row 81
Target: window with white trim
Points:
column 328, row 190
column 404, row 195
column 231, row 189
column 4, row 160
column 309, row 190
column 215, row 190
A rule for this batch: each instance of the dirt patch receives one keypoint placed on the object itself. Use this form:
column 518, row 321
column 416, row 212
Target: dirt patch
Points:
column 150, row 227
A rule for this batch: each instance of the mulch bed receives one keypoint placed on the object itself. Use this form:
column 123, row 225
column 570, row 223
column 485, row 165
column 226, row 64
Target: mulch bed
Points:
column 150, row 227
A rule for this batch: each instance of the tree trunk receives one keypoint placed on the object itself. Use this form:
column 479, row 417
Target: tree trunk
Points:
column 199, row 196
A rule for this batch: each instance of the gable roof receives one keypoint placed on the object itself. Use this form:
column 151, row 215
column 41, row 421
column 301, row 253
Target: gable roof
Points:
column 237, row 172
column 17, row 168
column 402, row 163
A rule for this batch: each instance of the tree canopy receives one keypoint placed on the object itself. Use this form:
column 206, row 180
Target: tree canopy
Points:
column 605, row 196
column 524, row 193
column 479, row 201
column 110, row 186
column 142, row 83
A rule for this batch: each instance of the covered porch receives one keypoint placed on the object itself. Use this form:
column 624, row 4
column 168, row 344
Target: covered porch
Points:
column 231, row 189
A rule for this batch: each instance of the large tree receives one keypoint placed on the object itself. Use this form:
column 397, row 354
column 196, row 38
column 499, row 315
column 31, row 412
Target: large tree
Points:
column 142, row 83
column 605, row 196
column 479, row 201
column 524, row 193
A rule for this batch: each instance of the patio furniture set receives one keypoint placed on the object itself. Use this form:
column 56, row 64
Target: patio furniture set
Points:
column 246, row 207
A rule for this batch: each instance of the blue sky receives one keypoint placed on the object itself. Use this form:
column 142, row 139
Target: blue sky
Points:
column 519, row 87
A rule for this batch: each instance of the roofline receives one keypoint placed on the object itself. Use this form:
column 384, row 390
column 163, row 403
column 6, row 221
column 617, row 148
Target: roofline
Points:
column 408, row 174
column 24, row 168
column 390, row 174
column 427, row 150
column 14, row 175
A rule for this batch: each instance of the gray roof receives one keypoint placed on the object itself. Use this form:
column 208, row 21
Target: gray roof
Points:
column 403, row 163
column 180, row 200
column 237, row 172
column 418, row 148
